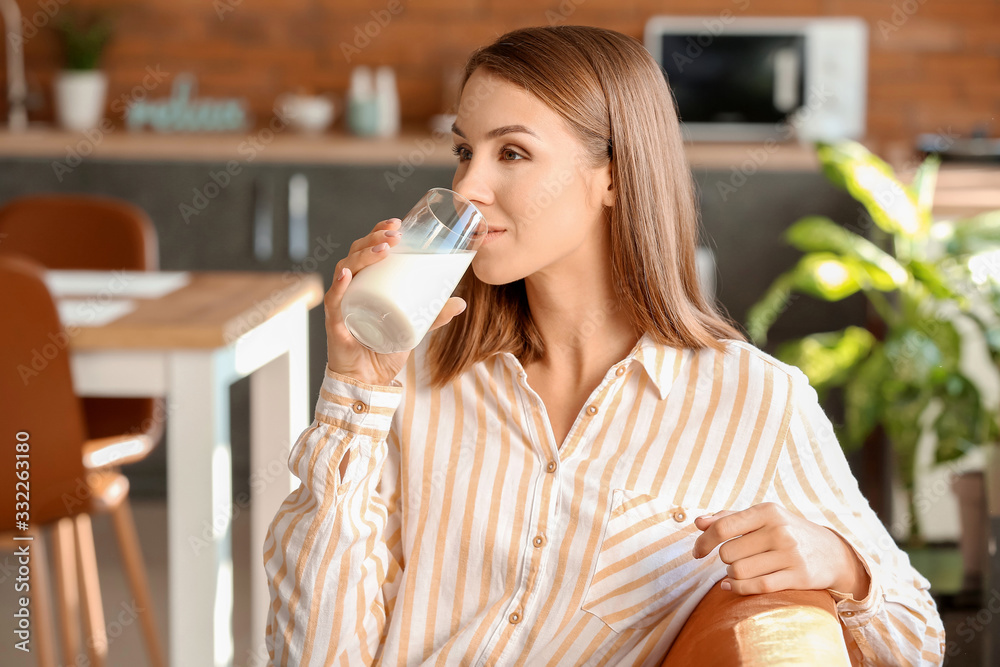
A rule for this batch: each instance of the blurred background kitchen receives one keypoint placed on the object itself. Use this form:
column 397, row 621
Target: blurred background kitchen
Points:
column 256, row 136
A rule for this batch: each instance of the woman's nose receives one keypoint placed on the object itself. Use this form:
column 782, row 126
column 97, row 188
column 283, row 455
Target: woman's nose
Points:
column 473, row 184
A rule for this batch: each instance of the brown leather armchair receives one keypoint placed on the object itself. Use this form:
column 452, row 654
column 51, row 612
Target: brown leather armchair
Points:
column 783, row 628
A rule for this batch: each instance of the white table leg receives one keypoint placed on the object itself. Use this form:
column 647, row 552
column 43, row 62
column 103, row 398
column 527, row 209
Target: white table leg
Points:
column 199, row 508
column 279, row 412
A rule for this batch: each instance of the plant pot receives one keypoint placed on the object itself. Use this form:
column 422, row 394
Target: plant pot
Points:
column 80, row 97
column 969, row 489
column 991, row 647
column 992, row 480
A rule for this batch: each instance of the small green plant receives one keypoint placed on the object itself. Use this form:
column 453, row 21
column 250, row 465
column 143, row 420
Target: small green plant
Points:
column 84, row 36
column 929, row 282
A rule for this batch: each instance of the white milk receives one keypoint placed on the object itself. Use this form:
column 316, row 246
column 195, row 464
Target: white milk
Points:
column 390, row 305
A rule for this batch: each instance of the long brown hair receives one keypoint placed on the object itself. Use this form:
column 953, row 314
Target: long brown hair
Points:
column 614, row 97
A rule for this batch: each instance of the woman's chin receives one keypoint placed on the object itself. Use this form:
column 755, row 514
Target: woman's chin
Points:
column 490, row 274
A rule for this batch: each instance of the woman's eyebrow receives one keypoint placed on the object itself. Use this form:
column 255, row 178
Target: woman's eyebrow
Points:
column 498, row 132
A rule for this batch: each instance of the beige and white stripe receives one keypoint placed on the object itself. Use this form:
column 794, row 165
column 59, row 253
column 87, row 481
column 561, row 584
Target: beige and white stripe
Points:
column 462, row 533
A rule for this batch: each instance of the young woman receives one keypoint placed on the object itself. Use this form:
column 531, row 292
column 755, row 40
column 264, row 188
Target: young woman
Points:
column 533, row 484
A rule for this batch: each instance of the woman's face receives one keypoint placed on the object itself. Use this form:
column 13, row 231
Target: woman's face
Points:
column 522, row 166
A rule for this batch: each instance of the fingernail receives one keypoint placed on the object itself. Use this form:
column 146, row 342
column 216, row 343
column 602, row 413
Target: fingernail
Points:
column 393, row 232
column 726, row 586
column 343, row 272
column 464, row 306
column 380, row 247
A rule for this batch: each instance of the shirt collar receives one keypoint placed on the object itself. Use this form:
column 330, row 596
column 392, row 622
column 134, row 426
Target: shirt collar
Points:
column 661, row 362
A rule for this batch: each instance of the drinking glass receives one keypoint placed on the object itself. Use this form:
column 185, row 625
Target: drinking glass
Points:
column 390, row 305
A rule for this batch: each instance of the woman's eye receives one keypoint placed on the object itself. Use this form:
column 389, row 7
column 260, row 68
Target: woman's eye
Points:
column 507, row 154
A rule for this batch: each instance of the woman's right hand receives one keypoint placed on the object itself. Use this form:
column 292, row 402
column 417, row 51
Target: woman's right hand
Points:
column 345, row 355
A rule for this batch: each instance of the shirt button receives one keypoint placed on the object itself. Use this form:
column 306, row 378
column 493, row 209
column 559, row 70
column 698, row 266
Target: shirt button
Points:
column 591, row 410
column 620, row 372
column 514, row 618
column 551, row 467
column 538, row 541
column 848, row 614
column 679, row 516
column 360, row 407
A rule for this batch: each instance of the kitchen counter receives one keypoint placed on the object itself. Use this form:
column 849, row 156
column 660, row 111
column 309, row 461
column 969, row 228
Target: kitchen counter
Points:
column 964, row 189
column 412, row 148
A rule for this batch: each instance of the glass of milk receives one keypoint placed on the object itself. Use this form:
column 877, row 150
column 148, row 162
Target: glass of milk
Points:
column 390, row 305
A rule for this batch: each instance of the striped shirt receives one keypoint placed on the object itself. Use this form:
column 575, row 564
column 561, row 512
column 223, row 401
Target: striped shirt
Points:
column 462, row 533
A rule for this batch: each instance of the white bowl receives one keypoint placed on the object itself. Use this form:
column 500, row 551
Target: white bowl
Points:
column 306, row 113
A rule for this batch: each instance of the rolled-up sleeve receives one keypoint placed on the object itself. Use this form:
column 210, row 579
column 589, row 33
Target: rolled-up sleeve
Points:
column 897, row 622
column 332, row 575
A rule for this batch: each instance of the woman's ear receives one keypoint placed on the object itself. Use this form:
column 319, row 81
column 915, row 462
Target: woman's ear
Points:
column 609, row 195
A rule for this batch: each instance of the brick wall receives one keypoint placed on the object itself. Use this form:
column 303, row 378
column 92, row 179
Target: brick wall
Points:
column 933, row 63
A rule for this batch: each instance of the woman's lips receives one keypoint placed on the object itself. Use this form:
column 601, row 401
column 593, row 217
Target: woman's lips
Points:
column 492, row 235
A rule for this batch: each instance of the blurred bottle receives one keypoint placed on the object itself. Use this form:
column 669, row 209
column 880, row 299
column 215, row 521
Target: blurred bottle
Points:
column 362, row 104
column 387, row 98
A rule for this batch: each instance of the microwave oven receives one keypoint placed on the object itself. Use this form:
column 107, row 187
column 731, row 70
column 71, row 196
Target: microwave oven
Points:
column 759, row 78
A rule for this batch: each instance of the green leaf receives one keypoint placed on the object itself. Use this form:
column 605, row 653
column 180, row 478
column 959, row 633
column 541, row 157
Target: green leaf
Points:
column 828, row 358
column 84, row 36
column 946, row 339
column 980, row 233
column 891, row 205
column 827, row 276
column 925, row 182
column 932, row 279
column 768, row 308
column 958, row 427
column 822, row 275
column 842, row 155
column 818, row 233
column 863, row 399
column 913, row 355
column 901, row 419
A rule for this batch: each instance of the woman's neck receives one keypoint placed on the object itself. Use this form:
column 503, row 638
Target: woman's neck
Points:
column 584, row 331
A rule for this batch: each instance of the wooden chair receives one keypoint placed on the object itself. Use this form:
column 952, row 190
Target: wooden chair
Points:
column 95, row 233
column 70, row 476
column 783, row 628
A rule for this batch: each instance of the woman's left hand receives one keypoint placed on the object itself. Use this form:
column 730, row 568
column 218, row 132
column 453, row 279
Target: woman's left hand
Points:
column 777, row 550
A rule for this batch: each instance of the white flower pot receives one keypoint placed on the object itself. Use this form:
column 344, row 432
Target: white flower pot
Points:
column 80, row 97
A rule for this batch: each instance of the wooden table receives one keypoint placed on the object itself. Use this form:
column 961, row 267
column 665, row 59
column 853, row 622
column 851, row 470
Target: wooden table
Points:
column 189, row 346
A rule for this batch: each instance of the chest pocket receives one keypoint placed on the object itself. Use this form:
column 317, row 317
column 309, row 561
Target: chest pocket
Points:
column 644, row 565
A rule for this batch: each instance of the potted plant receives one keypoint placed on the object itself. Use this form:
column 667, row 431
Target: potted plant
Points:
column 936, row 370
column 81, row 88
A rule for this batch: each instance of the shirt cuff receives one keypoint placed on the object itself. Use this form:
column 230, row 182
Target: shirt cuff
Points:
column 358, row 407
column 854, row 612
